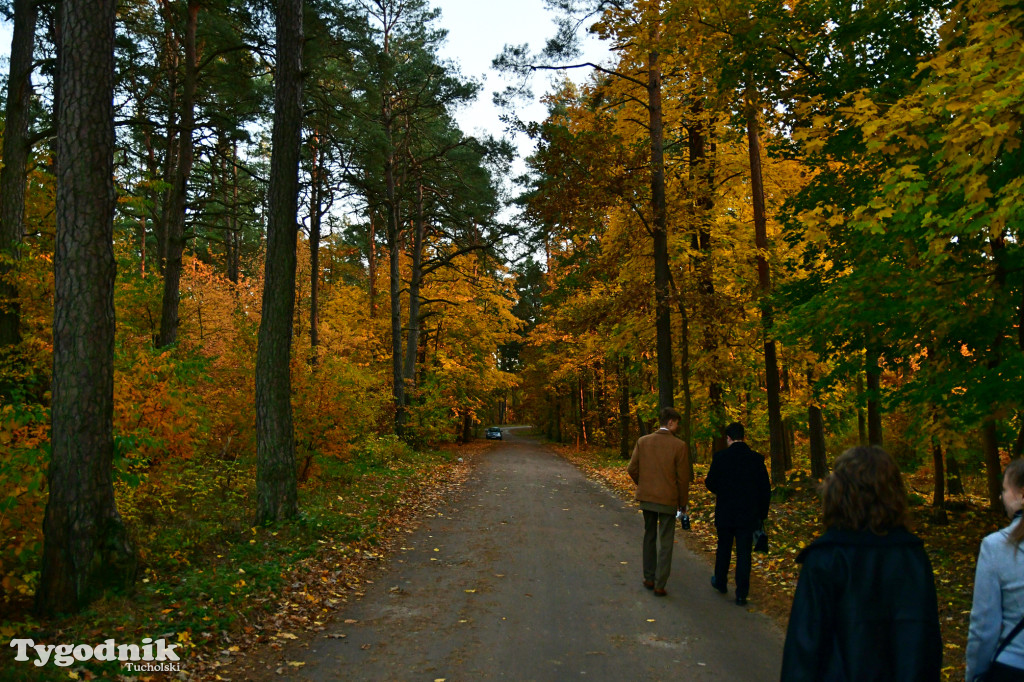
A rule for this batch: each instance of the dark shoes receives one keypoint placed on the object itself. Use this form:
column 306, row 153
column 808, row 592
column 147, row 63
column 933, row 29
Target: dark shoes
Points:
column 740, row 601
column 658, row 592
column 714, row 584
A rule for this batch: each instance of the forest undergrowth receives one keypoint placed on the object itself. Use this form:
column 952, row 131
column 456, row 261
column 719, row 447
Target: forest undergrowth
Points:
column 794, row 521
column 219, row 586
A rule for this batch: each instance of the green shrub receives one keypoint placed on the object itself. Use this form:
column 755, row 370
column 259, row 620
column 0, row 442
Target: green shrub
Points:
column 382, row 451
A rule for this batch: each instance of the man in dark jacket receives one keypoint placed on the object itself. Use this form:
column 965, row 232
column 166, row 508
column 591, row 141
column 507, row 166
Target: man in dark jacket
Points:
column 739, row 480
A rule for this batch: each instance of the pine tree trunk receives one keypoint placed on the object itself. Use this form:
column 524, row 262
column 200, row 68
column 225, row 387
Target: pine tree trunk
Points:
column 315, row 218
column 171, row 60
column 415, row 281
column 816, row 432
column 1018, row 445
column 939, row 490
column 659, row 213
column 56, row 31
column 701, row 246
column 686, row 424
column 394, row 238
column 582, row 404
column 953, row 480
column 993, row 467
column 558, row 419
column 550, row 425
column 771, row 365
column 641, row 424
column 179, row 194
column 623, row 378
column 86, row 547
column 862, row 423
column 702, row 178
column 371, row 259
column 15, row 157
column 276, row 486
column 395, row 279
column 874, row 375
column 233, row 237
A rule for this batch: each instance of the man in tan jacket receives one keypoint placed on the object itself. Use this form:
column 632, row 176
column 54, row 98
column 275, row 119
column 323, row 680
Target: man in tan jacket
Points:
column 660, row 467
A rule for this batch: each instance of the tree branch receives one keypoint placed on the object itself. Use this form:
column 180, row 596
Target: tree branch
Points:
column 596, row 67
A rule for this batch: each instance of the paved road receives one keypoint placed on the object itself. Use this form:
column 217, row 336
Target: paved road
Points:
column 533, row 573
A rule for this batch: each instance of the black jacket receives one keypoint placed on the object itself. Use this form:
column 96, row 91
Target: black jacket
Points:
column 865, row 611
column 739, row 480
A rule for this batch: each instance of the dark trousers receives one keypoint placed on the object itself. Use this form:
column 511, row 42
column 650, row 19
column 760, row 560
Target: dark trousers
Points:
column 659, row 534
column 744, row 538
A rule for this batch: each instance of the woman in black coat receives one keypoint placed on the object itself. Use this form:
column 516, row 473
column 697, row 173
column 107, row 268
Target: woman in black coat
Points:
column 865, row 608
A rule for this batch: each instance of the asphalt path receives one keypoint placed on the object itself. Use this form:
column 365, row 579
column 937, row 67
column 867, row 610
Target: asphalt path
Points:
column 533, row 572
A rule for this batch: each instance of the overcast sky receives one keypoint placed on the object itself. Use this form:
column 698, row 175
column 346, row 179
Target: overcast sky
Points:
column 477, row 32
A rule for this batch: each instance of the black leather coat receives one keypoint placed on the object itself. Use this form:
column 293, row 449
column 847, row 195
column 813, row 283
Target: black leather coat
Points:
column 865, row 611
column 739, row 480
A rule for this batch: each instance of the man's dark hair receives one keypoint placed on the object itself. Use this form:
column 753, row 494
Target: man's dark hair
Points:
column 667, row 415
column 734, row 431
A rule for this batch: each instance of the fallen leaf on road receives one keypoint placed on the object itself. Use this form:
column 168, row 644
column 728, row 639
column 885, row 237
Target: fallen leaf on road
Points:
column 349, row 621
column 285, row 635
column 650, row 620
column 335, row 636
column 296, row 664
column 470, row 591
column 365, row 647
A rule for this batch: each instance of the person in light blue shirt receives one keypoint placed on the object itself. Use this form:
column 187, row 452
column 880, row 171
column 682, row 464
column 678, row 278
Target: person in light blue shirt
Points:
column 999, row 593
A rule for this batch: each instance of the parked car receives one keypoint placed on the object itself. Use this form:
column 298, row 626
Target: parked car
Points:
column 493, row 433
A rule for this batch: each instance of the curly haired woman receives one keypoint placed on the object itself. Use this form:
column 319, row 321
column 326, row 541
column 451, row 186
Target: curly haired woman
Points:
column 865, row 605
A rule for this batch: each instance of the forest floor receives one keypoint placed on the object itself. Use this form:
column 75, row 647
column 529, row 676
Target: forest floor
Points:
column 221, row 588
column 794, row 522
column 233, row 595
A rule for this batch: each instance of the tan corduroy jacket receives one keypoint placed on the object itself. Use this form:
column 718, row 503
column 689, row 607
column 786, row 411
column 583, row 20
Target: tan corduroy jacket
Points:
column 660, row 467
